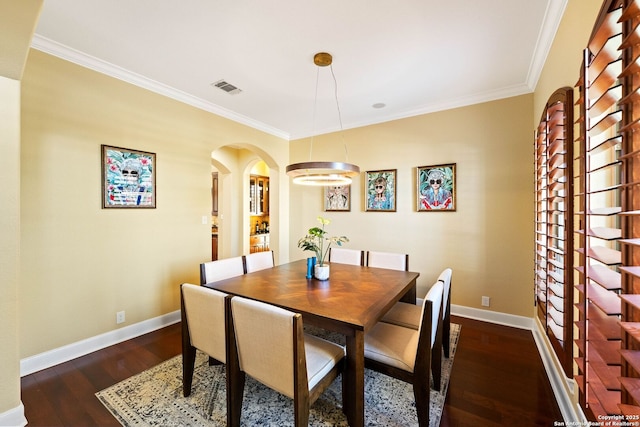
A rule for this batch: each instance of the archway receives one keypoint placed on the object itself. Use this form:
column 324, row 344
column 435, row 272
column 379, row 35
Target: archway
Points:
column 234, row 164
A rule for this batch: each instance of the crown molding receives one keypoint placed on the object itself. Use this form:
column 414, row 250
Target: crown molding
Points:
column 61, row 51
column 548, row 30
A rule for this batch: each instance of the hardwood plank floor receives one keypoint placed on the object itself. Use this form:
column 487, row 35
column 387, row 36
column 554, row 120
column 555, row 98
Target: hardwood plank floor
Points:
column 498, row 379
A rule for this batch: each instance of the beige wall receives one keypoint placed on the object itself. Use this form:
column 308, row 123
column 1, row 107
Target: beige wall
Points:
column 10, row 247
column 17, row 20
column 487, row 241
column 81, row 264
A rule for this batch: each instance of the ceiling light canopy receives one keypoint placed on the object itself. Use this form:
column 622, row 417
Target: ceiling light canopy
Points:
column 323, row 173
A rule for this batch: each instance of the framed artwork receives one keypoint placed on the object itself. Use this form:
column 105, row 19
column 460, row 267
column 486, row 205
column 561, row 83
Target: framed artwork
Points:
column 436, row 188
column 380, row 190
column 337, row 198
column 128, row 178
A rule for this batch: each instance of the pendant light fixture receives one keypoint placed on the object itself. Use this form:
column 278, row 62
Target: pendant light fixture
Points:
column 323, row 173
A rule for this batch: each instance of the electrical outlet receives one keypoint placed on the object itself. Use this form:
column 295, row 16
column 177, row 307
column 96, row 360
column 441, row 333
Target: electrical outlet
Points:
column 120, row 317
column 485, row 301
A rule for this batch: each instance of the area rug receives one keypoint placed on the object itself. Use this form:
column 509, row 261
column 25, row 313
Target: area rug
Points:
column 154, row 398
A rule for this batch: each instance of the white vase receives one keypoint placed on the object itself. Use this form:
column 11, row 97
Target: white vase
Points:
column 321, row 272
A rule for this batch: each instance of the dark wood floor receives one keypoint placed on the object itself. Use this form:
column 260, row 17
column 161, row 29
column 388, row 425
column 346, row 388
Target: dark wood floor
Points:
column 497, row 380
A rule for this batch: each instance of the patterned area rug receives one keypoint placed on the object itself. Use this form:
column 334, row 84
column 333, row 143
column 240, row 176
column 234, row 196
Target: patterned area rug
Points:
column 154, row 398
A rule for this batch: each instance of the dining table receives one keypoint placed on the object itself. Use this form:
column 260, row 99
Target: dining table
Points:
column 350, row 302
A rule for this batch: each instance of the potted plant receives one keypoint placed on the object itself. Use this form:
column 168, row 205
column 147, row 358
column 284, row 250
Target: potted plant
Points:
column 317, row 241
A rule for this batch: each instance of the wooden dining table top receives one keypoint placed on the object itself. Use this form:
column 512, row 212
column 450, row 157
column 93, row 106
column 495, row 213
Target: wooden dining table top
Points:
column 355, row 296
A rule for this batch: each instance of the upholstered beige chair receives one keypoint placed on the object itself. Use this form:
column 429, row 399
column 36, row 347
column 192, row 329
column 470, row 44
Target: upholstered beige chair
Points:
column 258, row 261
column 346, row 256
column 204, row 313
column 396, row 261
column 389, row 260
column 221, row 269
column 408, row 354
column 272, row 348
column 408, row 315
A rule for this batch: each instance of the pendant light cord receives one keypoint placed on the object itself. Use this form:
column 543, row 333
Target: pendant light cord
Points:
column 335, row 91
column 315, row 108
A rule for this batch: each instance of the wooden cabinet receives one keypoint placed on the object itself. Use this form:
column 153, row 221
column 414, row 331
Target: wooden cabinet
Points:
column 258, row 195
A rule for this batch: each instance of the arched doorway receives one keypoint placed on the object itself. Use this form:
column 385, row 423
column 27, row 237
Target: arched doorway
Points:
column 237, row 213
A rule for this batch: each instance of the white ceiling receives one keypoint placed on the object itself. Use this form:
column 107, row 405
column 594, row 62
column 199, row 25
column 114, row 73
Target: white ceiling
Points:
column 415, row 56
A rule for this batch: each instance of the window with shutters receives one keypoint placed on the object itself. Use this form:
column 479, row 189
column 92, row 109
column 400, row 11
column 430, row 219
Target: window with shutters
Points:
column 554, row 224
column 607, row 223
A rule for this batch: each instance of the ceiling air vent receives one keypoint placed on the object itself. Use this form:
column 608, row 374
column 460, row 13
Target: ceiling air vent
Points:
column 227, row 87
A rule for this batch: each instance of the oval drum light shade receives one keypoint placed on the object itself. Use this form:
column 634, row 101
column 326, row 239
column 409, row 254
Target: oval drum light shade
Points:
column 323, row 173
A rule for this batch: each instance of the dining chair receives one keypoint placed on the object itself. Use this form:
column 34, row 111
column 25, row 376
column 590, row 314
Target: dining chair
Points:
column 221, row 269
column 408, row 315
column 346, row 256
column 396, row 261
column 408, row 354
column 258, row 261
column 272, row 348
column 389, row 260
column 204, row 314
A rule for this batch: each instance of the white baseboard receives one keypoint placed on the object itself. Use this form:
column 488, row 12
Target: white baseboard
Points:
column 563, row 387
column 14, row 417
column 493, row 317
column 559, row 383
column 63, row 354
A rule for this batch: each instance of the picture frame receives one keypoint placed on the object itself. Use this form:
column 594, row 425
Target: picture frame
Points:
column 128, row 178
column 436, row 188
column 337, row 198
column 380, row 190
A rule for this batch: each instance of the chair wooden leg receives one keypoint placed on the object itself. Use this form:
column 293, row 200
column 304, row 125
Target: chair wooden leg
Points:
column 446, row 335
column 345, row 396
column 188, row 363
column 446, row 338
column 235, row 377
column 436, row 360
column 235, row 390
column 301, row 412
column 188, row 351
column 421, row 393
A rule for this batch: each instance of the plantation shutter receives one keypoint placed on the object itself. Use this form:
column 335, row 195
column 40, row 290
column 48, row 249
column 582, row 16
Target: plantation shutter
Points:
column 630, row 322
column 554, row 224
column 608, row 261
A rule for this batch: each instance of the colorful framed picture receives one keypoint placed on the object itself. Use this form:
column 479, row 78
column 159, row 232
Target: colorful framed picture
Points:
column 436, row 188
column 128, row 178
column 380, row 191
column 337, row 198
